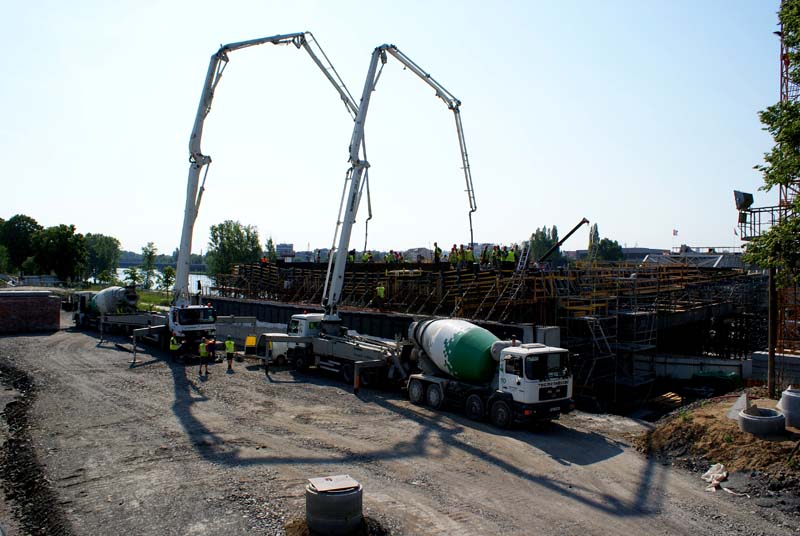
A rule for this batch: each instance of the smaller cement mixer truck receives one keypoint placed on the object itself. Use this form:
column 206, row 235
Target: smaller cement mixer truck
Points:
column 464, row 365
column 115, row 308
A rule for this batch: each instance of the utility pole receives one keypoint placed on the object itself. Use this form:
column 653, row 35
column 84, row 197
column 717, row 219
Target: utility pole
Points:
column 772, row 333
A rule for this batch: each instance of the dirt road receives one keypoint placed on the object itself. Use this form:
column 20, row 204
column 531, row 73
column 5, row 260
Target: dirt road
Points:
column 155, row 449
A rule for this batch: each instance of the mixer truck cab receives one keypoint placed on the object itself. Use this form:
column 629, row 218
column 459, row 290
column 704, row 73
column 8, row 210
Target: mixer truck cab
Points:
column 193, row 321
column 305, row 325
column 537, row 379
column 464, row 365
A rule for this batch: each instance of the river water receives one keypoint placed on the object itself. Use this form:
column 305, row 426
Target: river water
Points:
column 205, row 281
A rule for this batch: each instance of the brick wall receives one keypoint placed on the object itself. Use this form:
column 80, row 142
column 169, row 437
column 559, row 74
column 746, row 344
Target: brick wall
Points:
column 26, row 312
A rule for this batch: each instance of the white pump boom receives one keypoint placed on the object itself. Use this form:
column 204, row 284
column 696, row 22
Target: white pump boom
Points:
column 198, row 160
column 334, row 279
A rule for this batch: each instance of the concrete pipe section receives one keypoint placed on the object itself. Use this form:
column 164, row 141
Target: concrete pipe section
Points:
column 334, row 505
column 762, row 421
column 790, row 406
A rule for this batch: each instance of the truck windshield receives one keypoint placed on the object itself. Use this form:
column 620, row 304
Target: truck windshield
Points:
column 206, row 315
column 546, row 366
column 294, row 326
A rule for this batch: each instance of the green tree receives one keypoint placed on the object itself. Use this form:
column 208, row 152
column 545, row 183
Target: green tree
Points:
column 231, row 243
column 541, row 241
column 594, row 242
column 149, row 264
column 5, row 264
column 29, row 266
column 779, row 247
column 61, row 251
column 609, row 250
column 167, row 279
column 133, row 276
column 105, row 277
column 103, row 253
column 17, row 235
column 272, row 254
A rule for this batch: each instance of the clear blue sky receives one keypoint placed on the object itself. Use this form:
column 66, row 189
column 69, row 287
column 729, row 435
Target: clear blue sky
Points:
column 639, row 115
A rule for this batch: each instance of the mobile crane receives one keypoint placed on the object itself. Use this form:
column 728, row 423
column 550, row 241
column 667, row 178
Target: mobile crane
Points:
column 187, row 317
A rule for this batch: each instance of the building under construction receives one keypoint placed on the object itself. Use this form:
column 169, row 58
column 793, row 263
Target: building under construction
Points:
column 615, row 318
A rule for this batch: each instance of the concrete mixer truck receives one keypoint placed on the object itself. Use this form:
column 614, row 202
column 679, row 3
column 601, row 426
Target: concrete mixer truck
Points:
column 466, row 366
column 115, row 308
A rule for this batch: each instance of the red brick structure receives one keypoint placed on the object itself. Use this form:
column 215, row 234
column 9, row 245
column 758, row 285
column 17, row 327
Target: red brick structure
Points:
column 29, row 311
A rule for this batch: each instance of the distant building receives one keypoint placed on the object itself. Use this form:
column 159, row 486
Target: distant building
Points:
column 628, row 254
column 284, row 251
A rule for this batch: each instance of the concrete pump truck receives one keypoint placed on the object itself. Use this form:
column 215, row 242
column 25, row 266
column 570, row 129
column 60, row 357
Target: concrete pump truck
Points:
column 442, row 360
column 188, row 318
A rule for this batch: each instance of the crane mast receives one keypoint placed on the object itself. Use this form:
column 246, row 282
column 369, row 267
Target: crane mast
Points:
column 199, row 163
column 351, row 194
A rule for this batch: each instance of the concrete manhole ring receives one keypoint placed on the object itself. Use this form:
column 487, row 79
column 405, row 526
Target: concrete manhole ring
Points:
column 762, row 421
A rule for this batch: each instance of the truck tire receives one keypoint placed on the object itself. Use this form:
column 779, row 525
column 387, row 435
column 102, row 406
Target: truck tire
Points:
column 367, row 377
column 434, row 396
column 347, row 373
column 473, row 408
column 416, row 391
column 501, row 414
column 280, row 360
column 299, row 361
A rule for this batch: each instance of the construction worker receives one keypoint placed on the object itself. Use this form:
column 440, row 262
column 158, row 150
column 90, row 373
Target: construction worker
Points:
column 230, row 349
column 174, row 347
column 495, row 256
column 365, row 257
column 484, row 257
column 380, row 294
column 510, row 256
column 454, row 256
column 437, row 253
column 203, row 350
column 211, row 345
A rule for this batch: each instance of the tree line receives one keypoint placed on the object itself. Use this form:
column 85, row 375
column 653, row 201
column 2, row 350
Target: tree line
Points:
column 599, row 249
column 28, row 248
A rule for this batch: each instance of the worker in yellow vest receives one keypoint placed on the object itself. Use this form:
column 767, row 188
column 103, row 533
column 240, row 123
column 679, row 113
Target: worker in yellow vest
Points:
column 203, row 356
column 176, row 348
column 380, row 294
column 173, row 346
column 511, row 257
column 230, row 349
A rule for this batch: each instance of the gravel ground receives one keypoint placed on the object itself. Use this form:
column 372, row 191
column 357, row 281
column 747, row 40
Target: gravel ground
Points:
column 156, row 449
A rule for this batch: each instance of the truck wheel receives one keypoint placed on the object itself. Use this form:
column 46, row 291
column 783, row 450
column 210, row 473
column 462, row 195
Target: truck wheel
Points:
column 474, row 408
column 367, row 377
column 280, row 360
column 434, row 397
column 501, row 414
column 299, row 362
column 347, row 373
column 416, row 391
